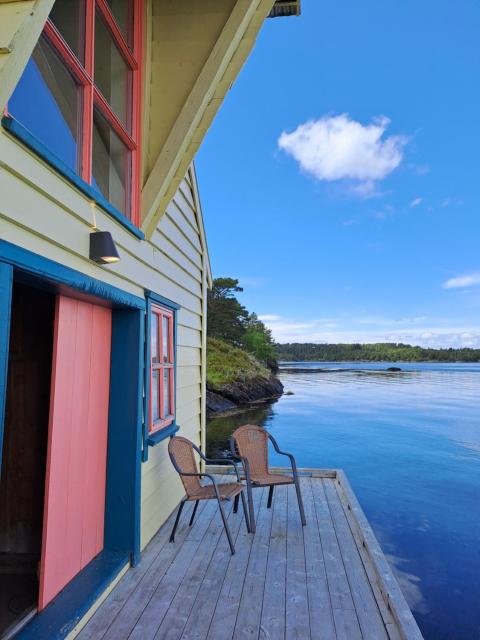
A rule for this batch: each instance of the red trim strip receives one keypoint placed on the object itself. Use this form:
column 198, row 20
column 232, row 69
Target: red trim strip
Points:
column 113, row 119
column 116, row 34
column 66, row 54
column 161, row 367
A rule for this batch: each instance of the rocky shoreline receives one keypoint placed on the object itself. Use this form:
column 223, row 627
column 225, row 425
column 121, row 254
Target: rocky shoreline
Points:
column 240, row 393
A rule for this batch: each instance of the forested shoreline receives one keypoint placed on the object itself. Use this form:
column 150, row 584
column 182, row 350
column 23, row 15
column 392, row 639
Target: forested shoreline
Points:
column 379, row 352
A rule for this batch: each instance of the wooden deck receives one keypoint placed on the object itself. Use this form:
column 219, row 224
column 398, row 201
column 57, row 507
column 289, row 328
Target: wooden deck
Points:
column 328, row 580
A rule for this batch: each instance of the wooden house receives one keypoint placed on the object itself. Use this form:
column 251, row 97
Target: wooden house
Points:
column 104, row 270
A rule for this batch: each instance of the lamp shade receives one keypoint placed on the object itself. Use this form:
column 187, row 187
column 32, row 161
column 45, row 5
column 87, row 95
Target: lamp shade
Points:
column 102, row 248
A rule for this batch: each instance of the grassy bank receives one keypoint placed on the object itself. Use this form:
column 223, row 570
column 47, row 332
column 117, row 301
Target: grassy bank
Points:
column 227, row 365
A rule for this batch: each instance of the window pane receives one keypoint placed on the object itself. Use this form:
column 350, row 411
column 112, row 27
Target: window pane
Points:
column 112, row 75
column 155, row 396
column 154, row 338
column 166, row 392
column 165, row 338
column 69, row 18
column 122, row 12
column 47, row 102
column 110, row 163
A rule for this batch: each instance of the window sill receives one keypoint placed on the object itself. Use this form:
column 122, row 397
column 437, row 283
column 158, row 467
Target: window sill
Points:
column 162, row 434
column 22, row 134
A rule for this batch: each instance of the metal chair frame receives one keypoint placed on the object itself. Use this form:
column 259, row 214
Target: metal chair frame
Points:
column 218, row 497
column 235, row 456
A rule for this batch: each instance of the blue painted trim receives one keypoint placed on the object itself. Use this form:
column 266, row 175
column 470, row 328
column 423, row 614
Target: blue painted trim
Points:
column 162, row 434
column 6, row 279
column 162, row 300
column 123, row 493
column 58, row 273
column 59, row 618
column 150, row 440
column 19, row 131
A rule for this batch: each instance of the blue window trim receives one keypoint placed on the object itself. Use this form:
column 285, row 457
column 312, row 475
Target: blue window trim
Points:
column 151, row 439
column 23, row 134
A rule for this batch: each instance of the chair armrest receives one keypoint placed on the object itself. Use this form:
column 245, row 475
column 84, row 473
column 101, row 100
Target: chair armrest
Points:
column 202, row 475
column 284, row 453
column 226, row 462
column 197, row 475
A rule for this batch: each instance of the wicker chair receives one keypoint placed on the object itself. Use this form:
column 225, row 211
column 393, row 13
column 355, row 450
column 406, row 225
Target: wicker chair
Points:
column 249, row 444
column 181, row 452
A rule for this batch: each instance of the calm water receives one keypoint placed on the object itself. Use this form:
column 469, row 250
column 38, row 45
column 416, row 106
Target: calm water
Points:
column 410, row 444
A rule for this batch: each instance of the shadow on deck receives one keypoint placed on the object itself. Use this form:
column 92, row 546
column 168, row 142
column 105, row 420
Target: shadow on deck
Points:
column 328, row 580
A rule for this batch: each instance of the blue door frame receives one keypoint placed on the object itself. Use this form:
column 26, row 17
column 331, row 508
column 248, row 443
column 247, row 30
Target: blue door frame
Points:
column 122, row 510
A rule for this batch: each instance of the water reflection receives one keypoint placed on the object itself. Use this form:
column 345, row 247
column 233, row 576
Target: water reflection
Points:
column 221, row 428
column 410, row 444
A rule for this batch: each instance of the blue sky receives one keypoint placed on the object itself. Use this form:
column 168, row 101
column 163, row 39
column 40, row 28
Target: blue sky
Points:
column 340, row 180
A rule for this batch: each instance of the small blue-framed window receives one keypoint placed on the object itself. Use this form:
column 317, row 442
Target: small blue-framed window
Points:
column 160, row 370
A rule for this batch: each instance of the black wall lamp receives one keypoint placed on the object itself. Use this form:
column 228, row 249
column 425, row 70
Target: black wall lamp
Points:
column 102, row 248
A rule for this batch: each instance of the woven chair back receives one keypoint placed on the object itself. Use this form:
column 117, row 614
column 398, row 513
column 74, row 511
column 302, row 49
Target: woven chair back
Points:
column 182, row 455
column 252, row 443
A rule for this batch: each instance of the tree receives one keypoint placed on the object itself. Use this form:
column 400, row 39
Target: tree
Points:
column 226, row 316
column 259, row 342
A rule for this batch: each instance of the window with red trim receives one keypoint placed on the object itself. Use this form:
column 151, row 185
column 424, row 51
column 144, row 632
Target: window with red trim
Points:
column 80, row 95
column 162, row 368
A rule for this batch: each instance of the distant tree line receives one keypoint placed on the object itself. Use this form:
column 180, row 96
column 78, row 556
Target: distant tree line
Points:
column 230, row 321
column 382, row 351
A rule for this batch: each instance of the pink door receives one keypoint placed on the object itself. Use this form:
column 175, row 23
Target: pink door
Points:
column 73, row 520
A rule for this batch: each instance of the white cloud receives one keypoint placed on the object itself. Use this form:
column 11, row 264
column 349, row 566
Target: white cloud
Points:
column 416, row 202
column 451, row 202
column 269, row 318
column 372, row 329
column 339, row 148
column 467, row 280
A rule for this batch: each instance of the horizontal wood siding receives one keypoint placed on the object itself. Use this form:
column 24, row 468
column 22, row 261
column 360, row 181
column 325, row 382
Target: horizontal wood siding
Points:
column 42, row 212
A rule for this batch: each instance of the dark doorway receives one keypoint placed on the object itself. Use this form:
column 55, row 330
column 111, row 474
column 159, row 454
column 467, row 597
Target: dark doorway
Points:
column 22, row 482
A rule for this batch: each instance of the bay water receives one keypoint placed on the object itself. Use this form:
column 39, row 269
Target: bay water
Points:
column 409, row 442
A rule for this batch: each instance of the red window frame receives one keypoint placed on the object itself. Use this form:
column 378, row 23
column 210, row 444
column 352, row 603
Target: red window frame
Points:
column 91, row 96
column 160, row 364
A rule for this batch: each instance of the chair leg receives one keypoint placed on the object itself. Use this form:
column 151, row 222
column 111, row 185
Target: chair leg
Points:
column 193, row 513
column 179, row 513
column 300, row 501
column 245, row 512
column 235, row 504
column 270, row 497
column 253, row 527
column 226, row 527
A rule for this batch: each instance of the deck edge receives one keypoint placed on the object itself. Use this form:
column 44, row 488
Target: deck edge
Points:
column 386, row 581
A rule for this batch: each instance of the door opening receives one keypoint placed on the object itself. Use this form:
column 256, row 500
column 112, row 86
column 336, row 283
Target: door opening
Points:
column 24, row 453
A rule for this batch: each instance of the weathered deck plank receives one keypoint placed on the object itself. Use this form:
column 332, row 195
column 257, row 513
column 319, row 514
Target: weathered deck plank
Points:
column 226, row 611
column 326, row 581
column 322, row 625
column 272, row 623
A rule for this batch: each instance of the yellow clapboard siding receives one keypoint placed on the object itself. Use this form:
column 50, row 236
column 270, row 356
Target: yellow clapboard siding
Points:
column 165, row 245
column 186, row 376
column 189, row 319
column 169, row 228
column 187, row 337
column 188, row 357
column 187, row 407
column 177, row 216
column 186, row 204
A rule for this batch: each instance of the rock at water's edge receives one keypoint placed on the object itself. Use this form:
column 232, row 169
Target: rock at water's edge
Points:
column 232, row 395
column 216, row 403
